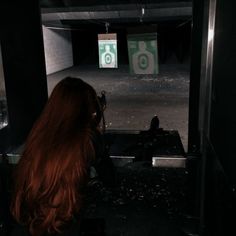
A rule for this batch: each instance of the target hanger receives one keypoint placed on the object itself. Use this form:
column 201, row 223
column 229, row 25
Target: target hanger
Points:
column 107, row 24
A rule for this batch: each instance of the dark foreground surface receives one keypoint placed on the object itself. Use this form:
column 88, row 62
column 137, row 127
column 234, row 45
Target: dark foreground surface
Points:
column 132, row 197
column 143, row 201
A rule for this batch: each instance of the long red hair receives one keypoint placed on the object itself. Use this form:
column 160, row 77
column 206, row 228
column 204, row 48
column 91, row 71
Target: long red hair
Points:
column 53, row 169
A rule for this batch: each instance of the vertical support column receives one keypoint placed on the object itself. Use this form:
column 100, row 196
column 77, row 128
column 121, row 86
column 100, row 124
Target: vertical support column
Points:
column 194, row 91
column 195, row 74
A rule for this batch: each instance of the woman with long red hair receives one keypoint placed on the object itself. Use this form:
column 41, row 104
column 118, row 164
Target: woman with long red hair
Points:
column 54, row 167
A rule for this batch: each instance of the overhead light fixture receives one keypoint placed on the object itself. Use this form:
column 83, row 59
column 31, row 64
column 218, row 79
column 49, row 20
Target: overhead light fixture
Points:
column 143, row 11
column 142, row 14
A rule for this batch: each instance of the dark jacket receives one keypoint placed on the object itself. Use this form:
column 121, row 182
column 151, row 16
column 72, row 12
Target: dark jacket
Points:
column 72, row 230
column 87, row 227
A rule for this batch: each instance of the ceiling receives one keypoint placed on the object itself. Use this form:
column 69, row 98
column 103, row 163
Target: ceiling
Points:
column 79, row 14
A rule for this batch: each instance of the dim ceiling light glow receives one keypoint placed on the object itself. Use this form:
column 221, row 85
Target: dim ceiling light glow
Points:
column 143, row 11
column 210, row 35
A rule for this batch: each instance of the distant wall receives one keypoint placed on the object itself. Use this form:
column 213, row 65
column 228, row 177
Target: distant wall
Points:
column 173, row 44
column 58, row 49
column 85, row 47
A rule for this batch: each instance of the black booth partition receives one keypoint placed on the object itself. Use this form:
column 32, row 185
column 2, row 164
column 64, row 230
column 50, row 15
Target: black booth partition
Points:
column 217, row 125
column 24, row 78
column 24, row 66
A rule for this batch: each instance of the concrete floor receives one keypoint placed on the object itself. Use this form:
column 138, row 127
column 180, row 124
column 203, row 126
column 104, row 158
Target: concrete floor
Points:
column 132, row 100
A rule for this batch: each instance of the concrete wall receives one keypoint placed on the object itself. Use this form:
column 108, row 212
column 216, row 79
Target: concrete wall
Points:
column 58, row 49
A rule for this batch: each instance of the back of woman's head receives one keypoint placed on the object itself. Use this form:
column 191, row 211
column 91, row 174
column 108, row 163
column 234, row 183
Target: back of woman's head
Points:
column 73, row 103
column 52, row 171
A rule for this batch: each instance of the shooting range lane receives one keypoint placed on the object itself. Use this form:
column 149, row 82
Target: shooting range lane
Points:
column 145, row 200
column 132, row 100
